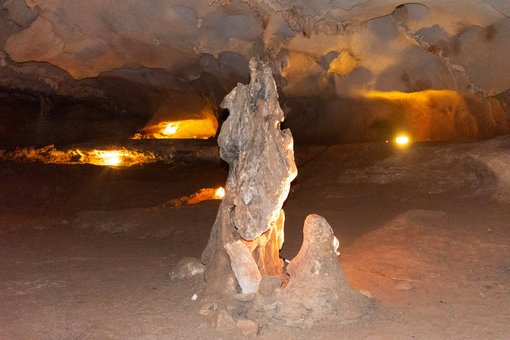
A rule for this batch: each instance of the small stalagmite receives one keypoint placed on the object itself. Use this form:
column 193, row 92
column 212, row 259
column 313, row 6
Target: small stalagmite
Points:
column 317, row 290
column 261, row 159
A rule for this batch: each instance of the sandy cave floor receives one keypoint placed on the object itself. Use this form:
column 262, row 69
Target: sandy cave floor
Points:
column 81, row 256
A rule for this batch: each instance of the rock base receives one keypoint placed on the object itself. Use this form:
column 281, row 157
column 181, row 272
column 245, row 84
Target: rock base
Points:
column 317, row 291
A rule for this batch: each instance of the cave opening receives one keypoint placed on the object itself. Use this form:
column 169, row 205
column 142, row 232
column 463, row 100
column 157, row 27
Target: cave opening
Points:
column 111, row 176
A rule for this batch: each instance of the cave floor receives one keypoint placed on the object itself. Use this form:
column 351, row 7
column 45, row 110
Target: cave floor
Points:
column 84, row 253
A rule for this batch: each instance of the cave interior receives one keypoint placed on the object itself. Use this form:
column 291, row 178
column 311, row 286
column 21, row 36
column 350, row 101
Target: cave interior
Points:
column 111, row 175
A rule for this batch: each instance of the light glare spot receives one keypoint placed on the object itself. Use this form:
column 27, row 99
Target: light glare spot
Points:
column 402, row 140
column 170, row 129
column 219, row 193
column 111, row 158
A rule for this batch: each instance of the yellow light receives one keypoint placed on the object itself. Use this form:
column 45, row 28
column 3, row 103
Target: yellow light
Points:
column 402, row 140
column 219, row 193
column 204, row 194
column 119, row 157
column 49, row 154
column 111, row 158
column 170, row 129
column 412, row 97
column 202, row 128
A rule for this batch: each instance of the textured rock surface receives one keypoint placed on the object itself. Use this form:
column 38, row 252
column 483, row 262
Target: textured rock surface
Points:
column 260, row 154
column 317, row 290
column 175, row 59
column 186, row 268
column 495, row 156
column 87, row 39
column 247, row 327
column 244, row 266
column 261, row 160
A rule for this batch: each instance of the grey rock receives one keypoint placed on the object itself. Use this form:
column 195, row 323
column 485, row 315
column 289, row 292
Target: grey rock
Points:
column 186, row 268
column 261, row 160
column 259, row 152
column 269, row 284
column 244, row 266
column 221, row 320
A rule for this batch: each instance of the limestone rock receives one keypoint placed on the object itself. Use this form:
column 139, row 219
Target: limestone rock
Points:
column 266, row 248
column 245, row 297
column 247, row 327
column 195, row 51
column 221, row 320
column 259, row 152
column 261, row 160
column 494, row 156
column 207, row 308
column 186, row 268
column 269, row 284
column 244, row 267
column 248, row 232
column 318, row 290
column 404, row 285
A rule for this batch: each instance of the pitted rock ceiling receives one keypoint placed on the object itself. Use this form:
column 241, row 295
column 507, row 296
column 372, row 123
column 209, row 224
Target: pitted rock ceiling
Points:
column 179, row 56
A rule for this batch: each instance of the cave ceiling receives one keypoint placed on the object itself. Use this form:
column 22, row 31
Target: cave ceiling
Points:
column 177, row 56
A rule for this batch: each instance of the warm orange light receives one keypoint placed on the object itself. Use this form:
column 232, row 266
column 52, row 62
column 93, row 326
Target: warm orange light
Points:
column 204, row 194
column 122, row 157
column 49, row 154
column 425, row 115
column 402, row 140
column 423, row 96
column 111, row 158
column 181, row 129
column 170, row 129
column 219, row 193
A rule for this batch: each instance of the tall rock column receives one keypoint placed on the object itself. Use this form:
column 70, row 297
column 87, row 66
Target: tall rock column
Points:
column 248, row 232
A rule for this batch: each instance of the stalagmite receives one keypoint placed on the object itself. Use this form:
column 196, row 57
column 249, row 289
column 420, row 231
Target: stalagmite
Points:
column 318, row 290
column 261, row 160
column 242, row 255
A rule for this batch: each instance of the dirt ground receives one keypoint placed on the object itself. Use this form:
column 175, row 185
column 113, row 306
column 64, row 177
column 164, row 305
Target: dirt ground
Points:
column 83, row 255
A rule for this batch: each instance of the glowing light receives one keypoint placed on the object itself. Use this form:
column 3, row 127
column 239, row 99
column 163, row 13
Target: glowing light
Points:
column 111, row 158
column 181, row 129
column 402, row 140
column 170, row 129
column 219, row 193
column 49, row 154
column 418, row 96
column 122, row 157
column 204, row 194
column 441, row 115
column 344, row 64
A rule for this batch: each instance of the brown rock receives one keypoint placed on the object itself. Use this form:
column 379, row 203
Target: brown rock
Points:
column 261, row 160
column 208, row 308
column 317, row 289
column 221, row 320
column 244, row 297
column 247, row 327
column 404, row 285
column 186, row 268
column 269, row 284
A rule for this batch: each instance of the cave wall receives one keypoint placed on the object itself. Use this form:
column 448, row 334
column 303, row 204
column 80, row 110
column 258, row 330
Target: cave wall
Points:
column 141, row 59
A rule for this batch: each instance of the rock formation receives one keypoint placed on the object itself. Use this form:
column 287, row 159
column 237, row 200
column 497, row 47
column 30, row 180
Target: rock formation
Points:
column 242, row 253
column 261, row 159
column 168, row 60
column 317, row 290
